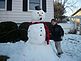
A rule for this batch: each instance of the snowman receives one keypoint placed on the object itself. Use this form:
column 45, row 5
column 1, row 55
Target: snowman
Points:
column 38, row 47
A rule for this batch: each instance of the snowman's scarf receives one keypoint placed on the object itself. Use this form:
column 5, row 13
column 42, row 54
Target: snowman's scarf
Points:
column 47, row 38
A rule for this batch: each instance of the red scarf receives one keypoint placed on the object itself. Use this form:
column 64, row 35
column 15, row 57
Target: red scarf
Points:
column 46, row 29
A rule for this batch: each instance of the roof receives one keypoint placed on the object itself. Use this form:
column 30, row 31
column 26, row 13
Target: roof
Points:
column 76, row 12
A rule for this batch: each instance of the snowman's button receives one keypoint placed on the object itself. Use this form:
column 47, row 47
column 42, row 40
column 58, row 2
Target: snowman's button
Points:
column 41, row 30
column 40, row 27
column 40, row 34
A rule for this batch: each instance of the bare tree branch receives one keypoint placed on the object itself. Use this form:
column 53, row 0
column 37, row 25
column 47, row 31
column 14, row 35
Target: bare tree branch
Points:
column 70, row 5
column 69, row 8
column 65, row 1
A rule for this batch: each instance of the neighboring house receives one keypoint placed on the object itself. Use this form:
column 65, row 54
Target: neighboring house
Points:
column 77, row 13
column 20, row 10
column 77, row 18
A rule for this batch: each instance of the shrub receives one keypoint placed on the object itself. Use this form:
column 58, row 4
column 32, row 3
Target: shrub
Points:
column 8, row 32
column 23, row 29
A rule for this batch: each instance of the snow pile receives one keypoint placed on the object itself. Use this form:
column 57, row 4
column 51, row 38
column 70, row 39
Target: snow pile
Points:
column 71, row 45
column 19, row 51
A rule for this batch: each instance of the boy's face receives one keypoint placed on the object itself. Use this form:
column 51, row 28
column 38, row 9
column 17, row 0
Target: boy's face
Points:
column 53, row 22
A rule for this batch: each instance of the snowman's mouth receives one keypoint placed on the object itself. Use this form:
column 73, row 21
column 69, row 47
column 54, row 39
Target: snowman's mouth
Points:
column 40, row 18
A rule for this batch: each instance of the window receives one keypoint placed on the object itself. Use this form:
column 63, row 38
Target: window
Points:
column 33, row 3
column 2, row 4
column 29, row 5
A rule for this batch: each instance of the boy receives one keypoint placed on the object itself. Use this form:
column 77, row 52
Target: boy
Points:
column 57, row 34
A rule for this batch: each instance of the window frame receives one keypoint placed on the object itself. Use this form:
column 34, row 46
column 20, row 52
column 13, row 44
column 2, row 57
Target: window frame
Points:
column 40, row 5
column 5, row 6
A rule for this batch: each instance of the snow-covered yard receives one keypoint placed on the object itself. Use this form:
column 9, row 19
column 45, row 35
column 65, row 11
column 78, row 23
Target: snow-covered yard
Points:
column 71, row 45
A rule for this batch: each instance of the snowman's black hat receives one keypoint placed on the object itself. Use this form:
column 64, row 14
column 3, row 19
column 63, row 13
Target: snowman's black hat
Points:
column 37, row 8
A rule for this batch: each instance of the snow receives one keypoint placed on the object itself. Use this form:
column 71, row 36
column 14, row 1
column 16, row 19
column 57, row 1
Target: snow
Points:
column 37, row 47
column 71, row 46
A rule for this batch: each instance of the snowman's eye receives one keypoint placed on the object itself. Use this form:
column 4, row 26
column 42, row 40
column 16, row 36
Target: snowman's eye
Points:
column 37, row 12
column 42, row 12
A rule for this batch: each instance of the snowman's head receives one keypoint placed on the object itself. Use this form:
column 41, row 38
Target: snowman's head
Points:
column 38, row 15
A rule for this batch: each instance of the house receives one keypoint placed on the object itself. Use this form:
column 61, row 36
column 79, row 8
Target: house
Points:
column 20, row 10
column 77, row 18
column 77, row 13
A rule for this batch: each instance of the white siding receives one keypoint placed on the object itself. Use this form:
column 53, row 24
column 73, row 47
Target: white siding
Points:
column 17, row 14
column 50, row 10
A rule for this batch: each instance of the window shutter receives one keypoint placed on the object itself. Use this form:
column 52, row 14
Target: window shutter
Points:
column 25, row 5
column 44, row 5
column 9, row 5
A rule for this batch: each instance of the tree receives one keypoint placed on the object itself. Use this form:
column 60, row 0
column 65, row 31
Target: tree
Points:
column 69, row 4
column 59, row 10
column 60, row 7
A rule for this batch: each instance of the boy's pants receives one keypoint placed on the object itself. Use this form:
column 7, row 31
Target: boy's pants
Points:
column 58, row 46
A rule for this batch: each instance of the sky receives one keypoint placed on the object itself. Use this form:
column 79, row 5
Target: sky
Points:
column 78, row 6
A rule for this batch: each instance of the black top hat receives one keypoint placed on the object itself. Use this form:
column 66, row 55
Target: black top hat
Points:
column 37, row 8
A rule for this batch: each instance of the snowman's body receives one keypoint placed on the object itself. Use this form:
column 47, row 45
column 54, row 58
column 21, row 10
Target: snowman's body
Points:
column 38, row 50
column 36, row 34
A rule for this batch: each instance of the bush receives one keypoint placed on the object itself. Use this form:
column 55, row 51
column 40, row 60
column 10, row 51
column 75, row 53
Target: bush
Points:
column 8, row 32
column 23, row 29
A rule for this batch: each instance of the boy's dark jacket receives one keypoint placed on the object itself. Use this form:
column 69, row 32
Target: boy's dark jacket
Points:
column 57, row 32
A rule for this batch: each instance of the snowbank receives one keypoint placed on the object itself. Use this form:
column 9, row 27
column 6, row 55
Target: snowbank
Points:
column 71, row 45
